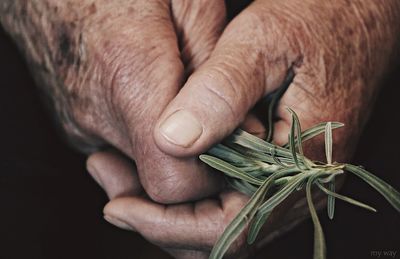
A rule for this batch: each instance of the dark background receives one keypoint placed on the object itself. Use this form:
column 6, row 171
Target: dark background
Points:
column 51, row 208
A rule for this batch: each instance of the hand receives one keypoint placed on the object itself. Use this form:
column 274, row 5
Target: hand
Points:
column 111, row 68
column 185, row 230
column 338, row 52
column 333, row 80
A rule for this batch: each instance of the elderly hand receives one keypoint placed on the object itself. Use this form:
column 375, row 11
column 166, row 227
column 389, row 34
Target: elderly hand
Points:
column 338, row 51
column 111, row 67
column 184, row 230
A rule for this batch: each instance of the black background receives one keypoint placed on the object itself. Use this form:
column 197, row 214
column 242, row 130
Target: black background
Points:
column 51, row 208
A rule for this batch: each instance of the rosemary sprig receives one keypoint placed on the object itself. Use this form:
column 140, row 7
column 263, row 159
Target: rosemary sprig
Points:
column 270, row 173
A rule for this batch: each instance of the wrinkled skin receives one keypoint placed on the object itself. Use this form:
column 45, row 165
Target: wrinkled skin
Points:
column 117, row 82
column 110, row 69
column 338, row 51
column 186, row 230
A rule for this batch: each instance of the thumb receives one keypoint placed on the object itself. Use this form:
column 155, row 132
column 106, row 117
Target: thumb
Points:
column 244, row 66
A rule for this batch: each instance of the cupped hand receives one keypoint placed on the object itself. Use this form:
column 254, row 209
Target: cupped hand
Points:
column 186, row 230
column 338, row 52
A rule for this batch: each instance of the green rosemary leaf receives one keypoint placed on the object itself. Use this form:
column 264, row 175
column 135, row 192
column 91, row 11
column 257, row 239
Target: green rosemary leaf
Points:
column 250, row 169
column 328, row 152
column 297, row 128
column 268, row 168
column 387, row 191
column 293, row 145
column 283, row 180
column 249, row 189
column 331, row 200
column 266, row 208
column 256, row 148
column 283, row 193
column 233, row 230
column 296, row 122
column 241, row 186
column 252, row 166
column 251, row 153
column 230, row 155
column 277, row 161
column 345, row 198
column 315, row 131
column 229, row 169
column 301, row 186
column 256, row 226
column 328, row 142
column 319, row 239
column 331, row 176
column 252, row 142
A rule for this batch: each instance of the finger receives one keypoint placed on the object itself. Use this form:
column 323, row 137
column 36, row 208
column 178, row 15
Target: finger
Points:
column 114, row 173
column 184, row 226
column 199, row 24
column 246, row 63
column 147, row 72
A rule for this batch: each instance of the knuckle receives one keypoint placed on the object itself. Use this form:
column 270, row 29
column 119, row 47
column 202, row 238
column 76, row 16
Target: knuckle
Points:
column 168, row 181
column 226, row 95
column 167, row 190
column 226, row 91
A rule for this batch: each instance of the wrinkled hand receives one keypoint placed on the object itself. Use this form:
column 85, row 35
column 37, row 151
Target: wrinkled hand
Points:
column 338, row 52
column 184, row 230
column 111, row 68
column 140, row 69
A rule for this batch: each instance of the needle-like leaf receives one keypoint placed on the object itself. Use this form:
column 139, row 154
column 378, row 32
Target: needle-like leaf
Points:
column 229, row 169
column 296, row 122
column 283, row 193
column 345, row 198
column 328, row 152
column 256, row 226
column 331, row 200
column 235, row 228
column 315, row 131
column 230, row 155
column 387, row 191
column 331, row 176
column 328, row 142
column 319, row 239
column 277, row 161
column 267, row 207
column 245, row 139
column 293, row 145
column 253, row 166
column 240, row 186
column 296, row 129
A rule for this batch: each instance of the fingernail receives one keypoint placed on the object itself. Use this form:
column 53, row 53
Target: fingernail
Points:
column 93, row 172
column 181, row 128
column 118, row 223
